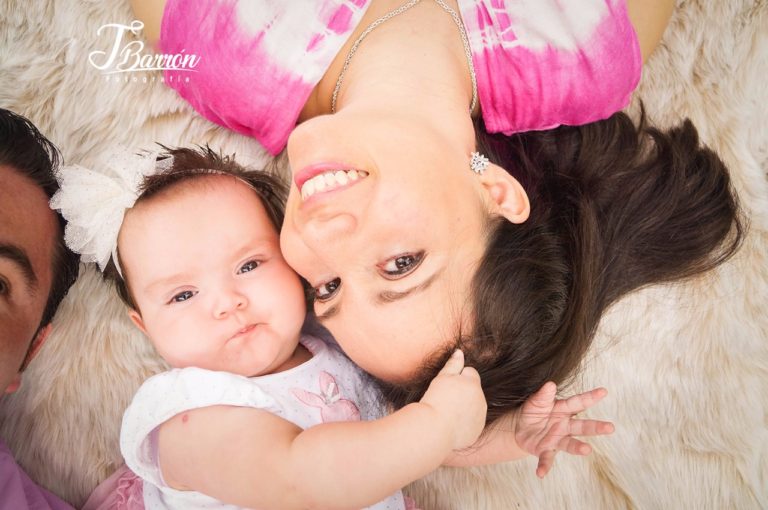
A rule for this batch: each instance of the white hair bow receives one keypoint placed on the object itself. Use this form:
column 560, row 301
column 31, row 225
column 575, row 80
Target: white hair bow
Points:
column 94, row 201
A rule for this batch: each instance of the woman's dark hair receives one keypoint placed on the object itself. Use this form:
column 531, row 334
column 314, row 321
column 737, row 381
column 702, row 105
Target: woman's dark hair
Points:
column 614, row 207
column 188, row 165
column 27, row 151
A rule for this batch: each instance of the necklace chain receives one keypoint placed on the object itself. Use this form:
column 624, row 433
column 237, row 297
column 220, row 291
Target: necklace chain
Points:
column 392, row 14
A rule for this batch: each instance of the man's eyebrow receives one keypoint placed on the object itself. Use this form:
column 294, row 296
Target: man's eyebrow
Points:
column 388, row 296
column 20, row 258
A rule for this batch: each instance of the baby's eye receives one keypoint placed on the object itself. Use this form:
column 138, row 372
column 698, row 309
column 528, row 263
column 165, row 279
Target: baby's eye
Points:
column 183, row 296
column 248, row 266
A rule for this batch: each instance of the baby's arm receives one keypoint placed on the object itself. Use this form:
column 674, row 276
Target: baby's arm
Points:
column 541, row 427
column 253, row 458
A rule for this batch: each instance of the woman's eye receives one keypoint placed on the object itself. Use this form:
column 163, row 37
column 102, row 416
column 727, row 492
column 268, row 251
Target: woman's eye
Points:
column 248, row 266
column 326, row 291
column 183, row 296
column 402, row 264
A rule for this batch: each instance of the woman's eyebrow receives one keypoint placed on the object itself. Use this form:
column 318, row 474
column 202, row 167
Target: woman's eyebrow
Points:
column 334, row 310
column 20, row 259
column 389, row 296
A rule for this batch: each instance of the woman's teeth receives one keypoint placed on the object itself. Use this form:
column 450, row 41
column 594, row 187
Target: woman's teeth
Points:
column 330, row 180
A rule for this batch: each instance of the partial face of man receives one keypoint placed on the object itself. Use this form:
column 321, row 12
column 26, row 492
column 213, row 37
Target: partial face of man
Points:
column 28, row 233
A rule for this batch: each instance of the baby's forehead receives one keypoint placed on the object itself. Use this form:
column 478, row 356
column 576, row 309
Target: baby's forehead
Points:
column 207, row 192
column 197, row 214
column 204, row 182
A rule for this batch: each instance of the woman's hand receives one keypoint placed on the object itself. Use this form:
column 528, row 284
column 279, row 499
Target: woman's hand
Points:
column 546, row 425
column 457, row 398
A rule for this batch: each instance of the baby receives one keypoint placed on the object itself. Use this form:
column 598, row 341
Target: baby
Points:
column 255, row 413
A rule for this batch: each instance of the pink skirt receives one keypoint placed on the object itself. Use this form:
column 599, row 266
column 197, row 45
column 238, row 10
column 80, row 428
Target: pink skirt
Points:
column 121, row 491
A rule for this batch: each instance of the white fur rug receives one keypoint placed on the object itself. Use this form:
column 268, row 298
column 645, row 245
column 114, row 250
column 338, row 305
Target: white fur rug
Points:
column 686, row 366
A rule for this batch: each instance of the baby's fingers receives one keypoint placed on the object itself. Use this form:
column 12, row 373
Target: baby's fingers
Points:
column 471, row 373
column 543, row 397
column 574, row 446
column 580, row 402
column 590, row 428
column 454, row 365
column 546, row 460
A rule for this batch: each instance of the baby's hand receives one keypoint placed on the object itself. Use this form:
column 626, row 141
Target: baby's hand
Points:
column 457, row 397
column 546, row 425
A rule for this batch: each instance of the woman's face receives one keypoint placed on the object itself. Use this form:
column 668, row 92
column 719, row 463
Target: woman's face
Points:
column 390, row 254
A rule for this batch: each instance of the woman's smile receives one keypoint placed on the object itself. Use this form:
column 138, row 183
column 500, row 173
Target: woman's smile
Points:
column 325, row 177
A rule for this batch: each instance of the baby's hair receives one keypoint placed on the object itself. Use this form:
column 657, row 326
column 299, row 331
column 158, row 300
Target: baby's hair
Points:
column 192, row 164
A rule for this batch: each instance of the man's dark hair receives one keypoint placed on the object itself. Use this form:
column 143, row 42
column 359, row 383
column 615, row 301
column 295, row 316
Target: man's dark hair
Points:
column 26, row 150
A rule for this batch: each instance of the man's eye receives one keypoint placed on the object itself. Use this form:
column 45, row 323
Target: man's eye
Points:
column 183, row 296
column 248, row 266
column 401, row 265
column 327, row 290
column 4, row 287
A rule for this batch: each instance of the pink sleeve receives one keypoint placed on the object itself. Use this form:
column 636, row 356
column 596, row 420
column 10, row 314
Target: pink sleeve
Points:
column 19, row 492
column 233, row 83
column 258, row 59
column 543, row 63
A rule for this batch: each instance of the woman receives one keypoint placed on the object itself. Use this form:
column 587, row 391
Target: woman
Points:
column 411, row 253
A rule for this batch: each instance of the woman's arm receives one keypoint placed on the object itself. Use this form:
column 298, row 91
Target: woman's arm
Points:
column 252, row 458
column 151, row 13
column 649, row 18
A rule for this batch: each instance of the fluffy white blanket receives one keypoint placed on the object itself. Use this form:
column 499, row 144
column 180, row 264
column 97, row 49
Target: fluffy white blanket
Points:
column 686, row 365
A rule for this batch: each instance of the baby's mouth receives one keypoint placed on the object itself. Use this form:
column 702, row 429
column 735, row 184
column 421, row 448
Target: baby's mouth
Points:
column 243, row 331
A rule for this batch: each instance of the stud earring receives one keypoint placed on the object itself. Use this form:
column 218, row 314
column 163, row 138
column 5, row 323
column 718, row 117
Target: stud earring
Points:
column 478, row 163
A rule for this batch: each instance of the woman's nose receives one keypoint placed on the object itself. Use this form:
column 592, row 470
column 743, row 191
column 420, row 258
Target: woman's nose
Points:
column 229, row 302
column 323, row 229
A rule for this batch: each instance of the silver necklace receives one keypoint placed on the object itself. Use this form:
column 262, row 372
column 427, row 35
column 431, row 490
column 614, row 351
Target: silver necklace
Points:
column 392, row 14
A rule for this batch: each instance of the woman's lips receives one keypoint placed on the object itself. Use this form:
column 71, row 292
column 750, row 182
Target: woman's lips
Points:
column 330, row 181
column 309, row 172
column 326, row 177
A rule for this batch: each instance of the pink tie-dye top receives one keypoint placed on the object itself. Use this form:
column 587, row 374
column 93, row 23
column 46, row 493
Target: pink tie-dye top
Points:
column 539, row 63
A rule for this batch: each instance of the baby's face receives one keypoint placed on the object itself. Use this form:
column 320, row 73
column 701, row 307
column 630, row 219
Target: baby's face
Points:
column 205, row 268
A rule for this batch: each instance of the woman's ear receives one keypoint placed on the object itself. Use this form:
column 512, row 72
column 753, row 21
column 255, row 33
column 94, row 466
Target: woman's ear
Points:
column 506, row 194
column 136, row 319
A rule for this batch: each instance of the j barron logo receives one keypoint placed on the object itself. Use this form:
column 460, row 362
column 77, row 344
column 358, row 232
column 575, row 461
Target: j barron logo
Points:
column 129, row 57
